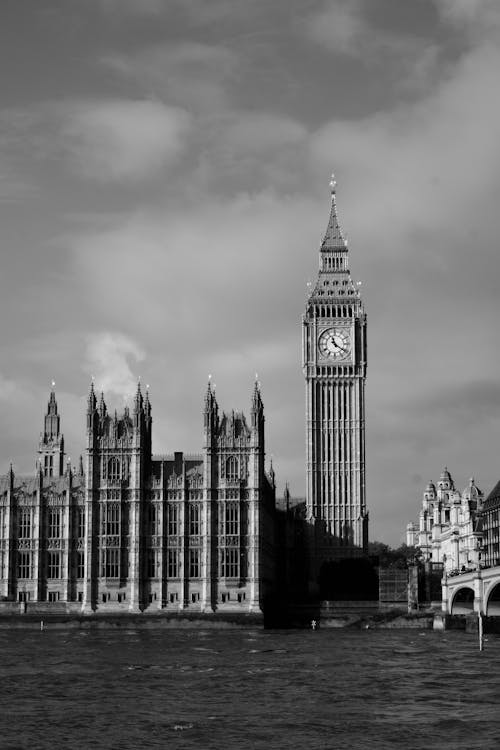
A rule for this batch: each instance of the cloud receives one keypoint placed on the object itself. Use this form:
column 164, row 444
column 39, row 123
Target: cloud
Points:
column 9, row 389
column 356, row 29
column 108, row 356
column 479, row 14
column 339, row 26
column 195, row 75
column 133, row 7
column 123, row 139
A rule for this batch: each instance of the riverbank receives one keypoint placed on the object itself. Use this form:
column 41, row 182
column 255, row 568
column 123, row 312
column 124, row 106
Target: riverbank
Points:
column 127, row 621
column 384, row 620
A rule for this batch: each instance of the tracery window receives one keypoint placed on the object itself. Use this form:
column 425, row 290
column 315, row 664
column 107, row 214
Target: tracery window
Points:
column 231, row 518
column 113, row 469
column 112, row 519
column 54, row 565
column 80, row 522
column 54, row 524
column 48, row 465
column 25, row 523
column 229, row 562
column 154, row 517
column 194, row 519
column 173, row 563
column 232, row 468
column 194, row 563
column 24, row 564
column 110, row 563
column 173, row 519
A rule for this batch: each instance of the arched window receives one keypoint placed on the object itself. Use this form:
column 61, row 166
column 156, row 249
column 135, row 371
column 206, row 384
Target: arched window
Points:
column 232, row 468
column 113, row 519
column 25, row 523
column 194, row 519
column 113, row 469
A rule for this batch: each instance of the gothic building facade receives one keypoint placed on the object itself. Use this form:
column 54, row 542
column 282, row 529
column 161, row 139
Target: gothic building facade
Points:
column 130, row 531
column 334, row 358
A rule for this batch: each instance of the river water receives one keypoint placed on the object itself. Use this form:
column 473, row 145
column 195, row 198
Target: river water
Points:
column 180, row 688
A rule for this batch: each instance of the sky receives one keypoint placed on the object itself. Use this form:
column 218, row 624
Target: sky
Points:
column 164, row 190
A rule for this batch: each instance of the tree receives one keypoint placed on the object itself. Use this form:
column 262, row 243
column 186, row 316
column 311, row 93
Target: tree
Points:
column 392, row 558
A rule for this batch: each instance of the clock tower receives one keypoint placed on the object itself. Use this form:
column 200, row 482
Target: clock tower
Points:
column 334, row 365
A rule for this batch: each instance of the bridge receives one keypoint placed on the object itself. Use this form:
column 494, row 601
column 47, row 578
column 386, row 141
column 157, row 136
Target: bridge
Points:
column 472, row 591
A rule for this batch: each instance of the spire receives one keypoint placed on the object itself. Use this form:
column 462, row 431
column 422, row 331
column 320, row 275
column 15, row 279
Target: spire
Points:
column 334, row 284
column 51, row 444
column 147, row 403
column 210, row 400
column 138, row 400
column 333, row 239
column 102, row 406
column 91, row 401
column 80, row 467
column 210, row 411
column 272, row 475
column 52, row 406
column 257, row 404
column 52, row 419
column 257, row 409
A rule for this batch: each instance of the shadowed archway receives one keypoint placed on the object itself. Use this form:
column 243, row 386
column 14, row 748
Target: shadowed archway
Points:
column 463, row 601
column 493, row 604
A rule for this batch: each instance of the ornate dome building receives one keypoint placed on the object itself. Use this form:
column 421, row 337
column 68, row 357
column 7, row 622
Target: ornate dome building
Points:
column 449, row 531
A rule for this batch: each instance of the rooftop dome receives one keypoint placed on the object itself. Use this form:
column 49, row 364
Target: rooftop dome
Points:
column 471, row 492
column 445, row 475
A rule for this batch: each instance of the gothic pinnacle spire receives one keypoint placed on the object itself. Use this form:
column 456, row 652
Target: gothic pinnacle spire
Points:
column 257, row 405
column 333, row 238
column 102, row 405
column 91, row 401
column 138, row 401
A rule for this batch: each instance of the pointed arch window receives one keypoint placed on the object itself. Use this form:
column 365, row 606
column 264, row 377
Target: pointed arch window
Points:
column 54, row 524
column 232, row 468
column 114, row 469
column 113, row 519
column 48, row 465
column 194, row 519
column 25, row 523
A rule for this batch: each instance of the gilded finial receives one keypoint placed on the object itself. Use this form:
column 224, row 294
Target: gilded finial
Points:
column 333, row 184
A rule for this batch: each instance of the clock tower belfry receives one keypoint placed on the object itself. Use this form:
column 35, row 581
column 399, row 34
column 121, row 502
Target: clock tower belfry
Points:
column 334, row 365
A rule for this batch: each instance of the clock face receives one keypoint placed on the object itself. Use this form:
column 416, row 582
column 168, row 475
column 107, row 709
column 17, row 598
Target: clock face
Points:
column 335, row 343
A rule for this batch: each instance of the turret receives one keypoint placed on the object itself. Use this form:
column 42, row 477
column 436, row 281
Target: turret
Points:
column 272, row 475
column 445, row 480
column 257, row 414
column 91, row 408
column 51, row 444
column 147, row 407
column 102, row 410
column 210, row 414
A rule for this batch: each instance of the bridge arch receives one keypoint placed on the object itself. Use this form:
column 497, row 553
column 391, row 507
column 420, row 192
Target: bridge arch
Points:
column 492, row 605
column 463, row 601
